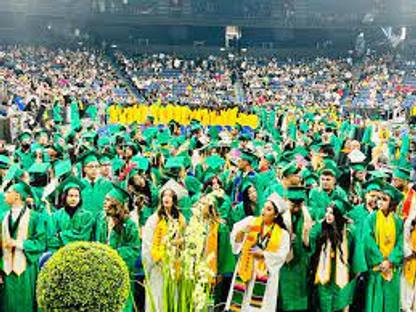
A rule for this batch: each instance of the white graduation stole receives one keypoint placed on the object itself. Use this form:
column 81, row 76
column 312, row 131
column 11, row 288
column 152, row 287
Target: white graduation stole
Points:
column 15, row 260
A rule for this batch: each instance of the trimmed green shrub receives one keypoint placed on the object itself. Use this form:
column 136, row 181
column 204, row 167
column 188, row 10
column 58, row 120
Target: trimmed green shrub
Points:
column 83, row 277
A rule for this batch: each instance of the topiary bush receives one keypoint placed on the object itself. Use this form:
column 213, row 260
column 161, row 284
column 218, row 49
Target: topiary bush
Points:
column 83, row 277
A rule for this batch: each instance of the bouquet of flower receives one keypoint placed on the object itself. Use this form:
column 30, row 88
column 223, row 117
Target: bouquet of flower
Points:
column 185, row 269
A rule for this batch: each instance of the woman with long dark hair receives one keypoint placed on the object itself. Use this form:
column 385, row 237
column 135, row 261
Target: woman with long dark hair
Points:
column 71, row 222
column 154, row 243
column 262, row 244
column 248, row 207
column 335, row 247
column 214, row 186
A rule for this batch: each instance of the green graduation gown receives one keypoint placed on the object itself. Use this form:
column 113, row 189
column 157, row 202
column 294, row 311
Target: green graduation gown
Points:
column 93, row 195
column 226, row 261
column 67, row 229
column 382, row 295
column 25, row 159
column 127, row 243
column 293, row 280
column 330, row 296
column 19, row 291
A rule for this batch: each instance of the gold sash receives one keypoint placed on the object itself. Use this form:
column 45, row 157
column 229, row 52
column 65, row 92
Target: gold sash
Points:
column 385, row 237
column 246, row 264
column 211, row 248
column 410, row 264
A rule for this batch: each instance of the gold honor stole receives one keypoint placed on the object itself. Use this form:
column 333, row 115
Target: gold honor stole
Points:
column 211, row 249
column 409, row 269
column 246, row 263
column 15, row 260
column 385, row 237
column 323, row 272
column 158, row 246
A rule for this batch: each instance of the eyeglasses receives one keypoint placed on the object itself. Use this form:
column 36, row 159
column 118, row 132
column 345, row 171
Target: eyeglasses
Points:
column 92, row 167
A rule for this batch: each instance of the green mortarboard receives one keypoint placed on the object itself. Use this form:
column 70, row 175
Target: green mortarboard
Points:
column 39, row 168
column 358, row 167
column 175, row 162
column 62, row 167
column 342, row 205
column 70, row 182
column 309, row 178
column 105, row 159
column 4, row 162
column 372, row 185
column 103, row 141
column 14, row 172
column 142, row 163
column 402, row 173
column 270, row 158
column 88, row 157
column 25, row 135
column 163, row 138
column 249, row 156
column 329, row 166
column 119, row 194
column 215, row 162
column 23, row 189
column 40, row 133
column 380, row 174
column 213, row 132
column 150, row 118
column 296, row 193
column 149, row 133
column 395, row 195
column 290, row 168
column 245, row 137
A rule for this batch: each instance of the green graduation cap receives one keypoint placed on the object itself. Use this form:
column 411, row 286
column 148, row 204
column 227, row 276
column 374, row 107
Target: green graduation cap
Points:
column 62, row 167
column 88, row 157
column 25, row 135
column 142, row 163
column 248, row 156
column 290, row 168
column 14, row 172
column 330, row 167
column 105, row 159
column 22, row 188
column 270, row 158
column 4, row 162
column 70, row 182
column 163, row 138
column 296, row 193
column 342, row 205
column 119, row 194
column 215, row 162
column 39, row 168
column 373, row 185
column 40, row 133
column 175, row 162
column 402, row 173
column 395, row 195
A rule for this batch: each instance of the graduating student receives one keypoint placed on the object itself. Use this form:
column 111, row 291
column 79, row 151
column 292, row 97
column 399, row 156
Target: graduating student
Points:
column 23, row 241
column 383, row 249
column 116, row 229
column 70, row 222
column 96, row 187
column 262, row 244
column 294, row 282
column 336, row 259
column 154, row 238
